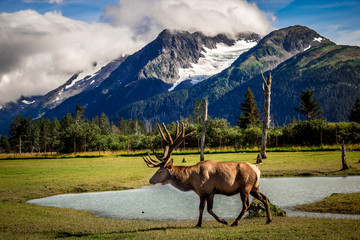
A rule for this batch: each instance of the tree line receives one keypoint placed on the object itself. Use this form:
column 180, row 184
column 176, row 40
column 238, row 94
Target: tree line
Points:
column 76, row 133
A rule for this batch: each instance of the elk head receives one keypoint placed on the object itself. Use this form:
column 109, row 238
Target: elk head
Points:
column 163, row 174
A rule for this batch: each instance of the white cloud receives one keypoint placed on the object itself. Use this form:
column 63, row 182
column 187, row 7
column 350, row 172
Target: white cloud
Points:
column 56, row 1
column 41, row 1
column 347, row 37
column 149, row 17
column 39, row 52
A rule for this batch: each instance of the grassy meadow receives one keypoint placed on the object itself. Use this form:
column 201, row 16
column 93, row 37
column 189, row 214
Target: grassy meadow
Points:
column 335, row 203
column 25, row 179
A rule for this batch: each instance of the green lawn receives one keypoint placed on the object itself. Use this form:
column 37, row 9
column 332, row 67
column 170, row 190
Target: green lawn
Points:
column 336, row 203
column 21, row 180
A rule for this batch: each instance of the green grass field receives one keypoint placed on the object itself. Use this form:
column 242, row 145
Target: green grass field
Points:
column 21, row 180
column 336, row 203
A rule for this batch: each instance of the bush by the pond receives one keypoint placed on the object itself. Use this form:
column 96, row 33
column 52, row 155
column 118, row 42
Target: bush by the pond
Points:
column 257, row 209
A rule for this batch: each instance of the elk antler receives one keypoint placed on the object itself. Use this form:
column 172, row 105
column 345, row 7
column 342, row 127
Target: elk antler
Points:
column 169, row 145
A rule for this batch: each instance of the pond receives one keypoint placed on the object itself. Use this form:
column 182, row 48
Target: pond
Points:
column 167, row 203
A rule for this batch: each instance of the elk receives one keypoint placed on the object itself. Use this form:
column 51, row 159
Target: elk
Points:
column 207, row 178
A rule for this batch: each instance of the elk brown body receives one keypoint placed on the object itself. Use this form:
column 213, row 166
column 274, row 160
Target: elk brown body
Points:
column 208, row 178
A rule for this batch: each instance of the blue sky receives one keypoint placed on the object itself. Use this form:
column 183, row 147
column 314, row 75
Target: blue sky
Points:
column 44, row 42
column 332, row 18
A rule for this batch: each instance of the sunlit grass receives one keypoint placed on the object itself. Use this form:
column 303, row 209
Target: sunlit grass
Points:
column 345, row 203
column 24, row 179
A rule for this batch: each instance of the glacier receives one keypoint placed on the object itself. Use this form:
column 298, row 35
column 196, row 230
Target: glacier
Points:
column 212, row 62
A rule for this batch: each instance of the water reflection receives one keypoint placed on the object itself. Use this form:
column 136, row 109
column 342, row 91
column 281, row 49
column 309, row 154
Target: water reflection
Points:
column 167, row 203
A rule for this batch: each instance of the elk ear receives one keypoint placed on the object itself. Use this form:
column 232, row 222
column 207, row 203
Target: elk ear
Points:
column 169, row 164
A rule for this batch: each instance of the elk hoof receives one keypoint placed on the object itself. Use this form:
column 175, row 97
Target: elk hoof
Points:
column 268, row 221
column 223, row 221
column 234, row 224
column 198, row 226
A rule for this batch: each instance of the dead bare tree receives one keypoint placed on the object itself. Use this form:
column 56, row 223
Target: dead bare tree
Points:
column 266, row 120
column 207, row 178
column 203, row 133
column 343, row 157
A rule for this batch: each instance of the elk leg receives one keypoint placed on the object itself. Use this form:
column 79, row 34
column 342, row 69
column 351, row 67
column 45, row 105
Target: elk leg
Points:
column 201, row 210
column 246, row 204
column 210, row 201
column 265, row 200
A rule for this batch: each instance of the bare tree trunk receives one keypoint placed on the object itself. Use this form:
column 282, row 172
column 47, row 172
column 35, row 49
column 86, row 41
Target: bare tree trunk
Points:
column 321, row 140
column 235, row 144
column 343, row 157
column 205, row 116
column 266, row 121
column 258, row 158
column 20, row 144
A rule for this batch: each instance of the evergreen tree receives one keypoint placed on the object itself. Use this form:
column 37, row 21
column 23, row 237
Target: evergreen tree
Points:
column 79, row 114
column 355, row 112
column 45, row 136
column 67, row 134
column 33, row 134
column 104, row 124
column 55, row 135
column 4, row 145
column 309, row 106
column 135, row 126
column 251, row 113
column 18, row 131
column 196, row 112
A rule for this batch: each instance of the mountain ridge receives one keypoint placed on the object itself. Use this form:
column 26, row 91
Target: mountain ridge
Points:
column 276, row 47
column 146, row 84
column 146, row 73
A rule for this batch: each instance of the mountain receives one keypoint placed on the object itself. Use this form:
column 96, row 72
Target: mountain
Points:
column 331, row 71
column 161, row 81
column 37, row 106
column 172, row 61
column 273, row 49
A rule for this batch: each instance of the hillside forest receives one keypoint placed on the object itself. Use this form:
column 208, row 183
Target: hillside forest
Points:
column 75, row 133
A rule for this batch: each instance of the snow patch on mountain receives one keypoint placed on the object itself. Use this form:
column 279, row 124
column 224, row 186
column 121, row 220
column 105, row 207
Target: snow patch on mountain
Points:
column 27, row 102
column 85, row 75
column 318, row 39
column 307, row 48
column 213, row 61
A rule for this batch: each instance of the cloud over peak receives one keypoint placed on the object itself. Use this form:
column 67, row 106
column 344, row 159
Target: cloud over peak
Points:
column 147, row 17
column 39, row 52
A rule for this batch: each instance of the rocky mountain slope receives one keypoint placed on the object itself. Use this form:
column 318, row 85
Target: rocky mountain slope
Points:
column 161, row 81
column 152, row 70
column 273, row 49
column 37, row 106
column 331, row 71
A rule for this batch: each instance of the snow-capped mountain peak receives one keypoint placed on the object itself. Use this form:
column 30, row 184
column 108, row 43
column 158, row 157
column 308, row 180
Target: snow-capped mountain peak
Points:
column 213, row 61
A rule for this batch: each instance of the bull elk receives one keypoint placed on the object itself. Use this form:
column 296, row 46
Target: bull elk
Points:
column 207, row 178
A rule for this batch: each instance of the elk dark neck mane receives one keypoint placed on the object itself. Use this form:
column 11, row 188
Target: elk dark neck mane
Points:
column 180, row 177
